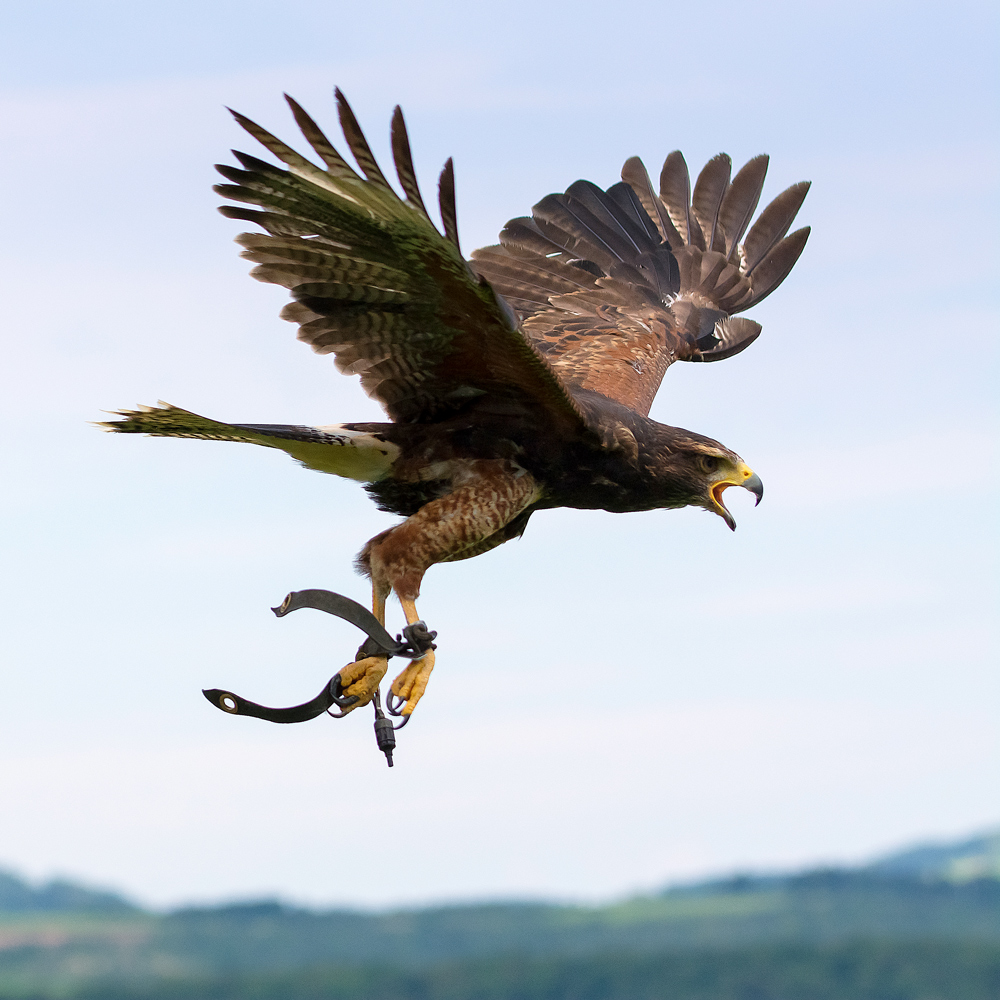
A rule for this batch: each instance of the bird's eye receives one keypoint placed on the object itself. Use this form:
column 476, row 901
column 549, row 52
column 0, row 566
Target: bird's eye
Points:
column 708, row 463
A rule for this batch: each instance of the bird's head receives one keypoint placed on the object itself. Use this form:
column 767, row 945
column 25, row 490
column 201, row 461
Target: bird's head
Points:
column 704, row 469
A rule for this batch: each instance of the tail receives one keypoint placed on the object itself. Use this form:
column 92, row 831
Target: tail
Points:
column 338, row 448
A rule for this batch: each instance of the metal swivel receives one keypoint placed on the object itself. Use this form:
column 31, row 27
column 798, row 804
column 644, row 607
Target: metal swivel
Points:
column 385, row 734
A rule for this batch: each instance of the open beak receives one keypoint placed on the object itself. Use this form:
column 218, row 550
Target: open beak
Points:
column 745, row 477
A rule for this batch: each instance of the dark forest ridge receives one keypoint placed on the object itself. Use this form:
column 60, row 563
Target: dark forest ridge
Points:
column 63, row 940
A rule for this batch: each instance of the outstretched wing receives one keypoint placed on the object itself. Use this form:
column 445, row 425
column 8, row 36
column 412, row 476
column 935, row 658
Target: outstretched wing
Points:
column 375, row 283
column 613, row 286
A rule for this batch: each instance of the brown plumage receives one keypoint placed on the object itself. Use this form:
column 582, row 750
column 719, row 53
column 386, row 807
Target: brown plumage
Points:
column 517, row 380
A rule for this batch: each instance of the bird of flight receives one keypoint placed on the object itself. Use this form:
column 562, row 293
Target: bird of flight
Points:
column 518, row 380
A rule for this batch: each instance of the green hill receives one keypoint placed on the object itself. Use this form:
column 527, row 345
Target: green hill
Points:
column 57, row 896
column 964, row 861
column 877, row 924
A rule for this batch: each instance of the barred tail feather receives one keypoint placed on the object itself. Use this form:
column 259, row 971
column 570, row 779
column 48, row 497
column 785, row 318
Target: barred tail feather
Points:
column 339, row 449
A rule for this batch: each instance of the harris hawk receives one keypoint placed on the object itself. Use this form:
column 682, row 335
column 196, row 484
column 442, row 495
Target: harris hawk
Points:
column 517, row 380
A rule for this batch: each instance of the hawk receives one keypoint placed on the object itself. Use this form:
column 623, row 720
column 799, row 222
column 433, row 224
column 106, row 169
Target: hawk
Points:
column 517, row 380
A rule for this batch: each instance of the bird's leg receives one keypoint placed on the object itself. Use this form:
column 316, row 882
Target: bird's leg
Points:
column 478, row 514
column 410, row 685
column 362, row 677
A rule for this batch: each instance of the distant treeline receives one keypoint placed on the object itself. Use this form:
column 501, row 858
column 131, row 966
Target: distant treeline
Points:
column 868, row 970
column 57, row 896
column 856, row 935
column 821, row 907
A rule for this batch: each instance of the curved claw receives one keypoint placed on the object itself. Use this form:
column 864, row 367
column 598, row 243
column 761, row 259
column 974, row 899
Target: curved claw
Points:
column 393, row 704
column 406, row 719
column 339, row 698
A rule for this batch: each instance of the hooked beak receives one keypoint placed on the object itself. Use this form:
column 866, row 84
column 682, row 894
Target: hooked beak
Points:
column 755, row 486
column 745, row 477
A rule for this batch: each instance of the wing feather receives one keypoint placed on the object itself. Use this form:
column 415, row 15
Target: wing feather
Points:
column 446, row 202
column 772, row 225
column 376, row 285
column 404, row 161
column 774, row 268
column 709, row 190
column 358, row 144
column 613, row 286
column 567, row 220
column 635, row 176
column 523, row 236
column 299, row 165
column 336, row 165
column 740, row 201
column 675, row 192
column 628, row 201
column 603, row 208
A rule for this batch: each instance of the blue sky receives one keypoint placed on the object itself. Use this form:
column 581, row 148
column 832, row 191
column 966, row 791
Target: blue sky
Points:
column 620, row 701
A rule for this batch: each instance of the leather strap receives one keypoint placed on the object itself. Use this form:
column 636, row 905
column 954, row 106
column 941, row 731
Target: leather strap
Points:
column 235, row 705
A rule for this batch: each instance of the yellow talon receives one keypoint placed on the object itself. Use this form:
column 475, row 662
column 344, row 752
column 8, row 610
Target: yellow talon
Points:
column 362, row 678
column 411, row 684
